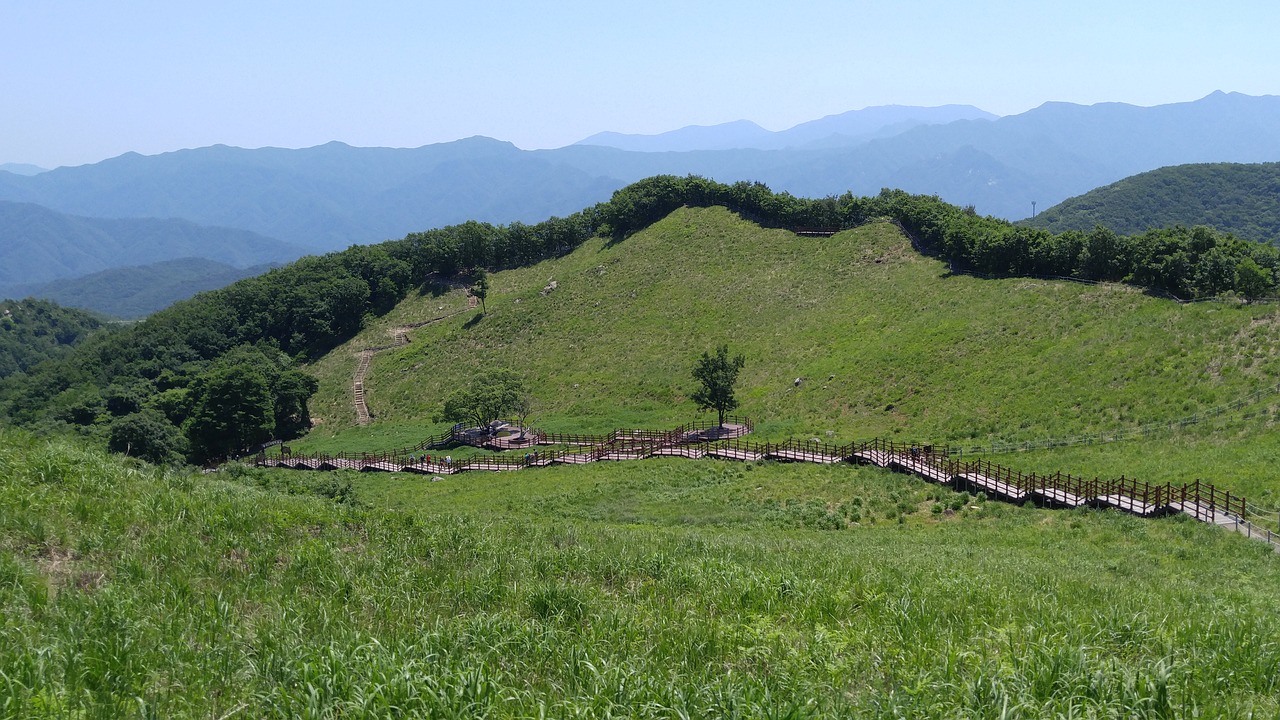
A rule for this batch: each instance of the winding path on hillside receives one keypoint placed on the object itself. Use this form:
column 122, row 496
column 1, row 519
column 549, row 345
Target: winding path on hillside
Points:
column 1202, row 501
column 364, row 356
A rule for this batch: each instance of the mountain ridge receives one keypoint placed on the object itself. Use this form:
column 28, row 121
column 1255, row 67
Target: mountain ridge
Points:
column 135, row 291
column 44, row 245
column 836, row 130
column 334, row 195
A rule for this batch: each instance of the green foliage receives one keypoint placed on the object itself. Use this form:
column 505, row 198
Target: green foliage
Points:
column 888, row 342
column 290, row 391
column 32, row 331
column 1252, row 280
column 247, row 397
column 1241, row 199
column 717, row 375
column 485, row 398
column 480, row 286
column 655, row 590
column 232, row 411
column 306, row 309
column 148, row 435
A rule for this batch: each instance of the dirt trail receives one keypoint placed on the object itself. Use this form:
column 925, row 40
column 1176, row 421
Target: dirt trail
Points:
column 399, row 338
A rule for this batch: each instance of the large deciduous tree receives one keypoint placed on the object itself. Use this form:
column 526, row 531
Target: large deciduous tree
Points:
column 233, row 411
column 716, row 375
column 148, row 435
column 486, row 398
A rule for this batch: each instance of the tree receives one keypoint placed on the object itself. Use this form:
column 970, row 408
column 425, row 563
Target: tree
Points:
column 147, row 435
column 291, row 391
column 486, row 398
column 523, row 408
column 717, row 374
column 232, row 412
column 480, row 288
column 1252, row 280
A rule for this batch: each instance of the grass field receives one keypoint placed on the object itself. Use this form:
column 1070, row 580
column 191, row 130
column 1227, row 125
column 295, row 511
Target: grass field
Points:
column 652, row 589
column 685, row 589
column 886, row 342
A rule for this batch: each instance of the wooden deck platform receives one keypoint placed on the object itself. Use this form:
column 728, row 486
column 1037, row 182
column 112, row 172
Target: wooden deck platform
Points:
column 804, row 456
column 992, row 486
column 1062, row 498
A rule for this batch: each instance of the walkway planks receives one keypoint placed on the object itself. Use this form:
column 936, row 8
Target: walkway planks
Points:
column 1201, row 501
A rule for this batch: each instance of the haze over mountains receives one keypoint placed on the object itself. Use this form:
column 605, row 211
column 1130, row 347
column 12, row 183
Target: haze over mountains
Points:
column 21, row 168
column 850, row 128
column 330, row 196
column 126, row 267
column 42, row 245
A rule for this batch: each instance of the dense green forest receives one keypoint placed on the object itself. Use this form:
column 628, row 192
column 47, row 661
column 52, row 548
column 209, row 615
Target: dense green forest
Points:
column 216, row 375
column 35, row 330
column 1242, row 199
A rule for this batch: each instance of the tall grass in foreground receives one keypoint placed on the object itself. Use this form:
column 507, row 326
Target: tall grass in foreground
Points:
column 132, row 592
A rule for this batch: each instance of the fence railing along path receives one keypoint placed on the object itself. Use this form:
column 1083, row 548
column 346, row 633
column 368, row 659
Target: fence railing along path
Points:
column 1202, row 501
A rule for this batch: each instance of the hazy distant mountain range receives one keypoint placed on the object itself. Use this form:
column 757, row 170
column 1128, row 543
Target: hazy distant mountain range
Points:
column 21, row 169
column 40, row 244
column 325, row 197
column 843, row 130
column 334, row 195
column 137, row 291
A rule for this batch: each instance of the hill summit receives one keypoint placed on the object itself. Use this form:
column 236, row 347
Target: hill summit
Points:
column 1242, row 199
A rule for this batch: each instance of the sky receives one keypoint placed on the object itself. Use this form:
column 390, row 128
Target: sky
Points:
column 84, row 81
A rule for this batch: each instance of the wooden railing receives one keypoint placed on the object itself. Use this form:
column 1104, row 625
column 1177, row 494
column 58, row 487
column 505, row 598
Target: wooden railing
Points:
column 1201, row 500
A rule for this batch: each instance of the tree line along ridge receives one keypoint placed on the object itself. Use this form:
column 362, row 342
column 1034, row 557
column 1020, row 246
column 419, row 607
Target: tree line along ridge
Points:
column 217, row 374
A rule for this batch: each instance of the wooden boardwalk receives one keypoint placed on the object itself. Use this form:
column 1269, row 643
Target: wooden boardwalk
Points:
column 1202, row 501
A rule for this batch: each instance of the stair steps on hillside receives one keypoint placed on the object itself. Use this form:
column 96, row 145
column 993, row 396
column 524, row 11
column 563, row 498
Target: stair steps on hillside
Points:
column 362, row 410
column 879, row 458
column 921, row 468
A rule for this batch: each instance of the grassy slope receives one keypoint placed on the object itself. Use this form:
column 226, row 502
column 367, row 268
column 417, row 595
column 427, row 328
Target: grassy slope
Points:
column 911, row 352
column 645, row 589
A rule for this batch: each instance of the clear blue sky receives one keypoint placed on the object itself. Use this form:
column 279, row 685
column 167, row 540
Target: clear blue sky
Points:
column 83, row 81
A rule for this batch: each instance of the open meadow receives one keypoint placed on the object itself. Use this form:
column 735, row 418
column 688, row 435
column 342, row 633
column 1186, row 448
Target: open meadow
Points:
column 651, row 589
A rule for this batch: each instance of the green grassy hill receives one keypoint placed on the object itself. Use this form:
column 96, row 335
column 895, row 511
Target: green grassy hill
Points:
column 886, row 343
column 671, row 588
column 1243, row 199
column 659, row 589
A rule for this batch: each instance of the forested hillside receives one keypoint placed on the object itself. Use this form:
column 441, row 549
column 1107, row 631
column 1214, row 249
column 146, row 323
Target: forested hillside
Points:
column 33, row 330
column 38, row 245
column 137, row 291
column 1242, row 199
column 219, row 374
